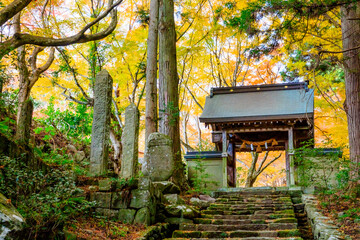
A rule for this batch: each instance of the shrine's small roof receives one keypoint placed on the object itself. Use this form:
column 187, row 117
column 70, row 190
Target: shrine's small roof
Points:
column 259, row 102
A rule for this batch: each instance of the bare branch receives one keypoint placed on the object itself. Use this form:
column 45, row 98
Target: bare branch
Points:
column 73, row 73
column 20, row 39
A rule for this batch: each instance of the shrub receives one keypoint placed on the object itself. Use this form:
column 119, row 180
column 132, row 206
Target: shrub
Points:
column 45, row 199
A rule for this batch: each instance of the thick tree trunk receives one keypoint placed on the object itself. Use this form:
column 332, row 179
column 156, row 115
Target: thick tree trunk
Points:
column 350, row 26
column 24, row 122
column 168, row 86
column 151, row 71
column 22, row 119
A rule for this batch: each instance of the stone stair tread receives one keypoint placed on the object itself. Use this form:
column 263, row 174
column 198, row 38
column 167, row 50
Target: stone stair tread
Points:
column 236, row 234
column 232, row 227
column 246, row 238
column 247, row 216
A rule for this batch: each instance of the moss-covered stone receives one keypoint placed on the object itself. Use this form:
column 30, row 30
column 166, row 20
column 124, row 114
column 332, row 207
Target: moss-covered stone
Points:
column 288, row 233
column 285, row 220
column 126, row 215
column 119, row 200
column 106, row 185
column 243, row 234
column 140, row 198
column 10, row 218
column 143, row 216
column 186, row 234
column 102, row 199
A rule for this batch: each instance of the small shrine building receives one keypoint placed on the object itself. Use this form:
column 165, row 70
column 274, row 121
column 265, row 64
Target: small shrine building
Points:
column 271, row 117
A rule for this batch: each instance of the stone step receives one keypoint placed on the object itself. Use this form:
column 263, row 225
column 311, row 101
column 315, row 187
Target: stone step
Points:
column 258, row 201
column 255, row 211
column 243, row 221
column 248, row 216
column 254, row 198
column 228, row 227
column 259, row 194
column 246, row 238
column 250, row 207
column 235, row 234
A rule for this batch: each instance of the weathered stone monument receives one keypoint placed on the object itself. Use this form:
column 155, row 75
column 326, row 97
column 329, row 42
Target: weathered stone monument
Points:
column 130, row 137
column 159, row 159
column 101, row 123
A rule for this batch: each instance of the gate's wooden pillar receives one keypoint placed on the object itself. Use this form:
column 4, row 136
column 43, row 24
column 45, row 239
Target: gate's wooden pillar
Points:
column 287, row 164
column 224, row 158
column 291, row 156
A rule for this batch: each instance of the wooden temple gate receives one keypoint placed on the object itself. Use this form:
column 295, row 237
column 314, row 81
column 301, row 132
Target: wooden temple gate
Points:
column 274, row 117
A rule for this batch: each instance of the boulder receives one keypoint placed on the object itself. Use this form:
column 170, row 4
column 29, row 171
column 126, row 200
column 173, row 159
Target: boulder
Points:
column 174, row 198
column 143, row 216
column 183, row 211
column 126, row 215
column 207, row 198
column 140, row 198
column 10, row 218
column 79, row 156
column 159, row 160
column 199, row 203
column 166, row 187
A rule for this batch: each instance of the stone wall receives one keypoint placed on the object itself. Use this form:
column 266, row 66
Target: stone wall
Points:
column 130, row 202
column 322, row 227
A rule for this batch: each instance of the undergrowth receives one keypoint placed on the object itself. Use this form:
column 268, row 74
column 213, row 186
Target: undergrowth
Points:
column 45, row 199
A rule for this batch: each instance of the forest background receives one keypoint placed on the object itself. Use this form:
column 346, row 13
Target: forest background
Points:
column 214, row 49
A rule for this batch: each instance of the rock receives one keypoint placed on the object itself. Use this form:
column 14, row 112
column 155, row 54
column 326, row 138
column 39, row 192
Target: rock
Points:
column 173, row 198
column 100, row 133
column 105, row 185
column 159, row 160
column 126, row 215
column 79, row 156
column 140, row 198
column 10, row 218
column 199, row 203
column 144, row 183
column 178, row 220
column 166, row 187
column 103, row 199
column 341, row 214
column 207, row 198
column 143, row 216
column 130, row 138
column 93, row 188
column 71, row 149
column 183, row 210
column 110, row 213
column 118, row 201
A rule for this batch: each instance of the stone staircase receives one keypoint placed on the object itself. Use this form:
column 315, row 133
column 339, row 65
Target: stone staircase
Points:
column 261, row 214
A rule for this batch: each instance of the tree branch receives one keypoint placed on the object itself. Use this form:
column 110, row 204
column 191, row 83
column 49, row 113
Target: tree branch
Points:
column 20, row 39
column 12, row 9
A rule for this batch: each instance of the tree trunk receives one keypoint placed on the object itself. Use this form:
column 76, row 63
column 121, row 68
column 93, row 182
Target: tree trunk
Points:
column 151, row 71
column 24, row 122
column 22, row 119
column 251, row 176
column 117, row 151
column 168, row 87
column 350, row 37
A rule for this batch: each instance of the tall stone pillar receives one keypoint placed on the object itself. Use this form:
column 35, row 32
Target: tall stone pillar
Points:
column 101, row 123
column 130, row 142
